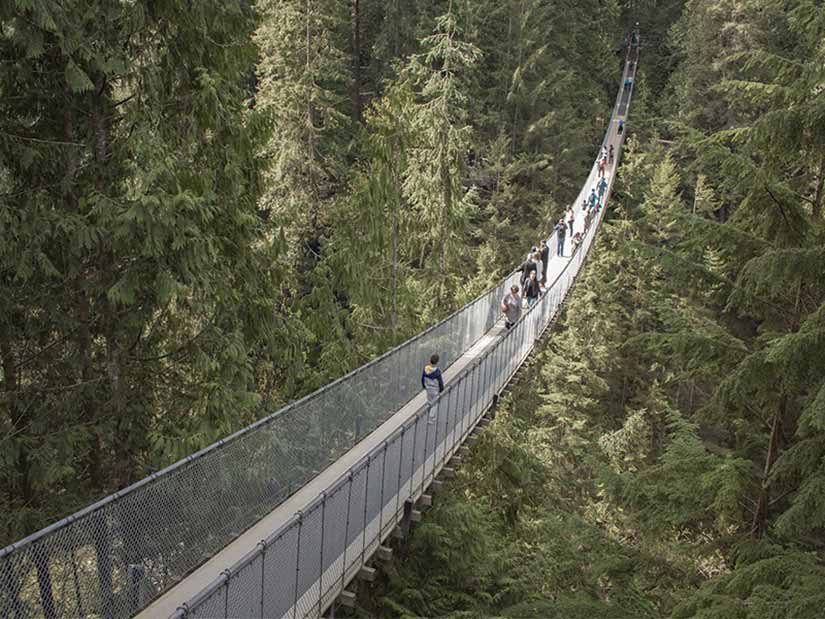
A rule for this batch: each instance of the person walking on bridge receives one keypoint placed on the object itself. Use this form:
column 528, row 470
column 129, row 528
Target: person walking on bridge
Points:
column 610, row 155
column 571, row 219
column 560, row 229
column 544, row 252
column 432, row 382
column 539, row 265
column 602, row 187
column 511, row 307
column 527, row 266
column 532, row 290
column 593, row 199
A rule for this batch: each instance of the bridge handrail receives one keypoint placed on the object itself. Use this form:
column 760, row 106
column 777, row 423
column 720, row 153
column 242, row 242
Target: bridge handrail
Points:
column 215, row 600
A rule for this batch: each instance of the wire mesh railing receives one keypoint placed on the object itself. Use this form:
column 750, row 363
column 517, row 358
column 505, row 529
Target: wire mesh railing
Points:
column 299, row 570
column 114, row 557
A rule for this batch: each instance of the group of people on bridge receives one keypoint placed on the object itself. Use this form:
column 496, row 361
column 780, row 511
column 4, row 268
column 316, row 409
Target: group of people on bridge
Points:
column 533, row 279
column 534, row 269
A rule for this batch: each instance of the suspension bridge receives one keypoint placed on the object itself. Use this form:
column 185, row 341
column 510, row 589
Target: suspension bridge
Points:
column 276, row 520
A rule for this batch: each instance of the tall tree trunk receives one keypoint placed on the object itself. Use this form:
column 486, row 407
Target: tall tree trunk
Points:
column 396, row 206
column 519, row 60
column 85, row 306
column 447, row 196
column 71, row 154
column 820, row 189
column 760, row 517
column 355, row 8
column 396, row 35
column 310, row 129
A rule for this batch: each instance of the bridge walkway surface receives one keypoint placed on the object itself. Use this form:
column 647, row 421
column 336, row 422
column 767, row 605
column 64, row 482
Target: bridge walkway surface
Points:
column 235, row 551
column 199, row 596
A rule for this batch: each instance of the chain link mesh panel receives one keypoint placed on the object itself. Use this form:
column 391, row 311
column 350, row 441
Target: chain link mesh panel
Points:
column 116, row 556
column 388, row 475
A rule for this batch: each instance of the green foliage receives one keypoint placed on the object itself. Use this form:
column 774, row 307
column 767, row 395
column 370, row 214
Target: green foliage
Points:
column 137, row 293
column 205, row 207
column 768, row 582
column 691, row 353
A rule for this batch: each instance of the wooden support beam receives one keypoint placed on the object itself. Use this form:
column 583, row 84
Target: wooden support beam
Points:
column 384, row 553
column 398, row 533
column 416, row 516
column 367, row 574
column 347, row 598
column 448, row 472
column 425, row 500
column 436, row 486
column 463, row 451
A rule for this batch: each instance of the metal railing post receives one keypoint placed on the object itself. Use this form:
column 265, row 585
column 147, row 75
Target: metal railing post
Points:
column 346, row 532
column 435, row 439
column 228, row 575
column 400, row 464
column 366, row 506
column 414, row 448
column 323, row 538
column 262, row 544
column 426, row 447
column 297, row 565
column 381, row 506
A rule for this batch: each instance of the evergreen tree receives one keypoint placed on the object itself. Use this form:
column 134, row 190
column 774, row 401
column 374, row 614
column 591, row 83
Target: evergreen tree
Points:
column 435, row 162
column 302, row 80
column 137, row 296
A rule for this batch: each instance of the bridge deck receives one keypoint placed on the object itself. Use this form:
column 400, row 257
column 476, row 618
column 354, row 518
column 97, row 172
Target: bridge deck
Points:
column 200, row 579
column 166, row 605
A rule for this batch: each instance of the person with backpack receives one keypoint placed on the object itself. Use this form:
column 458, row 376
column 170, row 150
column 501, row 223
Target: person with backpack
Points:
column 511, row 307
column 593, row 199
column 602, row 187
column 621, row 127
column 561, row 229
column 602, row 164
column 571, row 218
column 527, row 266
column 432, row 382
column 532, row 290
column 610, row 155
column 544, row 252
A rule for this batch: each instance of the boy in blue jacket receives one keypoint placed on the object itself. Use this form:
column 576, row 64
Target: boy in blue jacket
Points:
column 432, row 382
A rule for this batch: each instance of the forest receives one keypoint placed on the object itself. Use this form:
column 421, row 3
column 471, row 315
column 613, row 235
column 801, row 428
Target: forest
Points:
column 210, row 209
